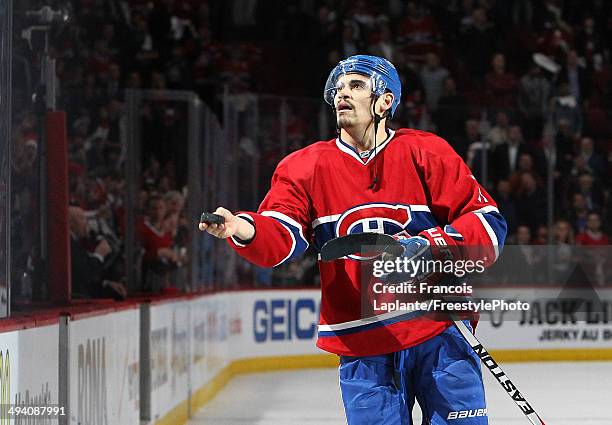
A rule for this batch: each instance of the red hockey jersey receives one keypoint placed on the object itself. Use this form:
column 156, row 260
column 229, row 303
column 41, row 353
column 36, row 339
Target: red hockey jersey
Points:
column 325, row 190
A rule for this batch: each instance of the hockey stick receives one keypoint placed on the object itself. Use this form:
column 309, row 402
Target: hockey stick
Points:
column 497, row 371
column 350, row 244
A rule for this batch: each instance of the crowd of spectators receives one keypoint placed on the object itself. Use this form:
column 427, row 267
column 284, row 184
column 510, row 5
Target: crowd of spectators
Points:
column 468, row 74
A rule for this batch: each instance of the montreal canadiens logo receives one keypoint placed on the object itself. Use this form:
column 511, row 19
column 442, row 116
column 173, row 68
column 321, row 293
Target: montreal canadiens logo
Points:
column 373, row 218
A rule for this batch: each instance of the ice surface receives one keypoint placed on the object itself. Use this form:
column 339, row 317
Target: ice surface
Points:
column 563, row 393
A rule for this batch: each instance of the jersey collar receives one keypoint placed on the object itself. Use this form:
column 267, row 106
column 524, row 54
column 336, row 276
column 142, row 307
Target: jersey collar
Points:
column 348, row 149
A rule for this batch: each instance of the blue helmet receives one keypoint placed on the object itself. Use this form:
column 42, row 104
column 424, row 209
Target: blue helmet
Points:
column 383, row 74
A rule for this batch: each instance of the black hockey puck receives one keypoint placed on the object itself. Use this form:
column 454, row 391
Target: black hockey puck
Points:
column 210, row 218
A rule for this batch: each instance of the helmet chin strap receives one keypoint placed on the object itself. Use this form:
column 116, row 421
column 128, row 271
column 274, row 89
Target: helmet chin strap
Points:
column 377, row 120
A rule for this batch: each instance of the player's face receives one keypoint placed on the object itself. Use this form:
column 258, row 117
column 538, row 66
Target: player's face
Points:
column 353, row 100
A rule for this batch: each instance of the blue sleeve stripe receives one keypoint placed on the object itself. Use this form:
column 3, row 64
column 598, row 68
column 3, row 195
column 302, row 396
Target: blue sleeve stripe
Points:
column 453, row 233
column 495, row 226
column 421, row 220
column 499, row 226
column 300, row 244
column 323, row 233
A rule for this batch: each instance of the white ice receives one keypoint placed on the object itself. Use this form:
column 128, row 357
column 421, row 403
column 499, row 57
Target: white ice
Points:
column 563, row 393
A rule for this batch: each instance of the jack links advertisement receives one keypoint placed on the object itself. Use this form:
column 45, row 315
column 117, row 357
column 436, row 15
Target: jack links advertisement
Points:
column 528, row 284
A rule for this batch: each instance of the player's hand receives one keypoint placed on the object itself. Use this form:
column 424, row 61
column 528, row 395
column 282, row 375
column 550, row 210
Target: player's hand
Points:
column 233, row 226
column 417, row 252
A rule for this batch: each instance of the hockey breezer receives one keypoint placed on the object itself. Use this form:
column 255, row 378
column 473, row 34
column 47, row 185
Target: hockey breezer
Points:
column 354, row 243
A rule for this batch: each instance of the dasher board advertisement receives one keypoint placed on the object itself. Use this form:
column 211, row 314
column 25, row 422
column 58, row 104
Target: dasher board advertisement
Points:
column 104, row 369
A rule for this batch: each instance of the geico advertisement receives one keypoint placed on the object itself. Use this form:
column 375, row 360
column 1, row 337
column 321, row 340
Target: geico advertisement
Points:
column 556, row 318
column 105, row 369
column 278, row 323
column 28, row 371
column 285, row 322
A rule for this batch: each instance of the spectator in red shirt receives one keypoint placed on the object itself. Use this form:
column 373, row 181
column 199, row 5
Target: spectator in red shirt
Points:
column 418, row 32
column 158, row 258
column 156, row 241
column 593, row 235
column 595, row 259
column 501, row 85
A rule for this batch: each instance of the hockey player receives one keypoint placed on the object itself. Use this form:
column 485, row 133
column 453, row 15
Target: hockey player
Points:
column 373, row 179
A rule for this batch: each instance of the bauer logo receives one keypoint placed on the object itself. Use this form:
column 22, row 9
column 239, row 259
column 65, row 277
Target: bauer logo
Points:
column 284, row 319
column 374, row 218
column 462, row 414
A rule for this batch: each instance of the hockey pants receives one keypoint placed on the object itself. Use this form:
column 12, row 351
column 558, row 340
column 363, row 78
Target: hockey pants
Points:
column 442, row 373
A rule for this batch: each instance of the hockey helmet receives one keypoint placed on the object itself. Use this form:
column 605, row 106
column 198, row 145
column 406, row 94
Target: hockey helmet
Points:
column 383, row 75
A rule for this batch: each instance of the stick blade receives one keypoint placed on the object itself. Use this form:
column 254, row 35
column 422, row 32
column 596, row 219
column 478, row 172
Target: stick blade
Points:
column 351, row 244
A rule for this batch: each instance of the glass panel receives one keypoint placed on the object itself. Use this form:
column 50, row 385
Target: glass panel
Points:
column 5, row 137
column 96, row 158
column 27, row 253
column 160, row 125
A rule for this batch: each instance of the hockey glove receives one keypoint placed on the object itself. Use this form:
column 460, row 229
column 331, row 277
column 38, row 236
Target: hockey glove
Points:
column 415, row 264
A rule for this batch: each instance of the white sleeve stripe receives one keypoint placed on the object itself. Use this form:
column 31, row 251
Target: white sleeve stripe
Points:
column 419, row 208
column 325, row 219
column 283, row 217
column 241, row 245
column 486, row 209
column 490, row 232
column 364, row 321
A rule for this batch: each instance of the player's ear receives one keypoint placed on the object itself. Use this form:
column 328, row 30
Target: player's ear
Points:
column 385, row 101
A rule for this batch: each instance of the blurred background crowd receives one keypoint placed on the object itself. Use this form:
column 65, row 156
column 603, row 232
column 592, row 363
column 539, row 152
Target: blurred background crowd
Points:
column 468, row 72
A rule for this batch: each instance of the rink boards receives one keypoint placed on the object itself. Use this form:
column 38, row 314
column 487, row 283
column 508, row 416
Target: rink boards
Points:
column 158, row 361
